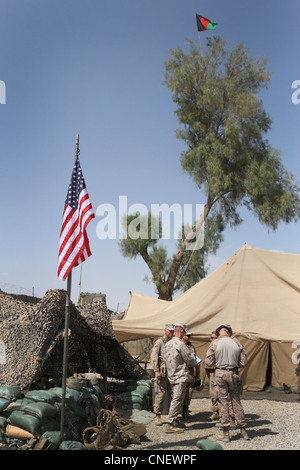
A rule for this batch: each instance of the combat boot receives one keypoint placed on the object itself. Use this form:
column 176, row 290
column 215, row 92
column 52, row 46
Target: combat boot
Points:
column 214, row 416
column 224, row 436
column 172, row 427
column 243, row 434
column 232, row 423
column 157, row 420
column 178, row 424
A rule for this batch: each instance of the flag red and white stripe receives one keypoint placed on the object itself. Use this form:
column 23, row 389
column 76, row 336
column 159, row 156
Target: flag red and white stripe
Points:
column 74, row 245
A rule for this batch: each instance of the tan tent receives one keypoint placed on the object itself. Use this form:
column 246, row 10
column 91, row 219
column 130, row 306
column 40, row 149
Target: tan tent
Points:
column 256, row 291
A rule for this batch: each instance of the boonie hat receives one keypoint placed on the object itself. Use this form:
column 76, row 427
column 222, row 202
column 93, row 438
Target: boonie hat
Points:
column 182, row 325
column 228, row 327
column 170, row 327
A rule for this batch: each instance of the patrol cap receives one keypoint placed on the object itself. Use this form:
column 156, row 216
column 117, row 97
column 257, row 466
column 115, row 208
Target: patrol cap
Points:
column 187, row 332
column 228, row 327
column 170, row 327
column 182, row 325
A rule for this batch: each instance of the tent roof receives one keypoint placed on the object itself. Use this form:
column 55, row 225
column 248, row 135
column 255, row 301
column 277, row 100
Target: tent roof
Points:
column 256, row 291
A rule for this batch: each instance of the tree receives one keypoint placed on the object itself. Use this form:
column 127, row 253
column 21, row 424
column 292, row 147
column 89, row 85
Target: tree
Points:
column 228, row 156
column 142, row 240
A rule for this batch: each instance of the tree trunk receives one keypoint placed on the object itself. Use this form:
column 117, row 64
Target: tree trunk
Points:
column 178, row 257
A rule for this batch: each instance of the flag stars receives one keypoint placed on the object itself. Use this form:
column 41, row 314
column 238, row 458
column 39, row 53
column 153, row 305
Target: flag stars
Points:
column 76, row 185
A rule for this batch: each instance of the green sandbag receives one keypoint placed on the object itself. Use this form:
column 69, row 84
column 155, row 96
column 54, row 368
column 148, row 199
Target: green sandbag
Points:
column 54, row 437
column 71, row 445
column 72, row 396
column 17, row 405
column 3, row 422
column 130, row 397
column 206, row 444
column 41, row 395
column 10, row 392
column 24, row 421
column 33, row 408
column 141, row 382
column 39, row 410
column 147, row 382
column 4, row 403
column 139, row 389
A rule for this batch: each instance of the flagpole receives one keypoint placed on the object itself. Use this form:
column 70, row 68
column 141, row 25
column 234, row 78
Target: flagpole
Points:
column 200, row 44
column 66, row 332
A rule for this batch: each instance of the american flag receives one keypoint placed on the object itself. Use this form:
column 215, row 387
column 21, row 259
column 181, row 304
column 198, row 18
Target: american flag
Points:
column 74, row 245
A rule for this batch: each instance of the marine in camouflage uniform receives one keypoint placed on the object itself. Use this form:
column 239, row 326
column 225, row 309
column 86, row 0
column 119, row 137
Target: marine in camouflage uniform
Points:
column 161, row 383
column 296, row 360
column 210, row 372
column 194, row 374
column 228, row 355
column 178, row 358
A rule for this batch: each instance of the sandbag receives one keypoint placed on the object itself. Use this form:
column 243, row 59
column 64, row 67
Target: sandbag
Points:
column 206, row 444
column 41, row 395
column 38, row 409
column 144, row 382
column 71, row 445
column 54, row 437
column 3, row 422
column 10, row 392
column 14, row 432
column 28, row 422
column 4, row 403
column 17, row 405
column 140, row 389
column 130, row 397
column 72, row 397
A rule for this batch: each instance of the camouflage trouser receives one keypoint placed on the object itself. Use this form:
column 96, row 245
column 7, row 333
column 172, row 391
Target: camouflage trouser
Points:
column 176, row 405
column 226, row 391
column 161, row 386
column 211, row 378
column 188, row 395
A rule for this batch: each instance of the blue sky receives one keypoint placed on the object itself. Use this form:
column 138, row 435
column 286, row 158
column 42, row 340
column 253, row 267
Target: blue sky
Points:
column 95, row 68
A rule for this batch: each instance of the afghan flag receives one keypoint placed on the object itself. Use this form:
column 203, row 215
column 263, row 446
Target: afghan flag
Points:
column 204, row 24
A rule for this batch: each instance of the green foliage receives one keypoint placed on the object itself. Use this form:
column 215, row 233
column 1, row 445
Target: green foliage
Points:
column 228, row 156
column 193, row 264
column 225, row 127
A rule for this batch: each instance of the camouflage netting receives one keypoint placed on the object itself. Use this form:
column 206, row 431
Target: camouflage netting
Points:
column 33, row 337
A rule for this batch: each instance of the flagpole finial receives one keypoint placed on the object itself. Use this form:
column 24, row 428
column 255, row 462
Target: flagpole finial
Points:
column 77, row 147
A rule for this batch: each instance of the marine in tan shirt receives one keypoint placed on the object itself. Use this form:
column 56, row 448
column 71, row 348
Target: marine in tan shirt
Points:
column 161, row 383
column 178, row 358
column 227, row 355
